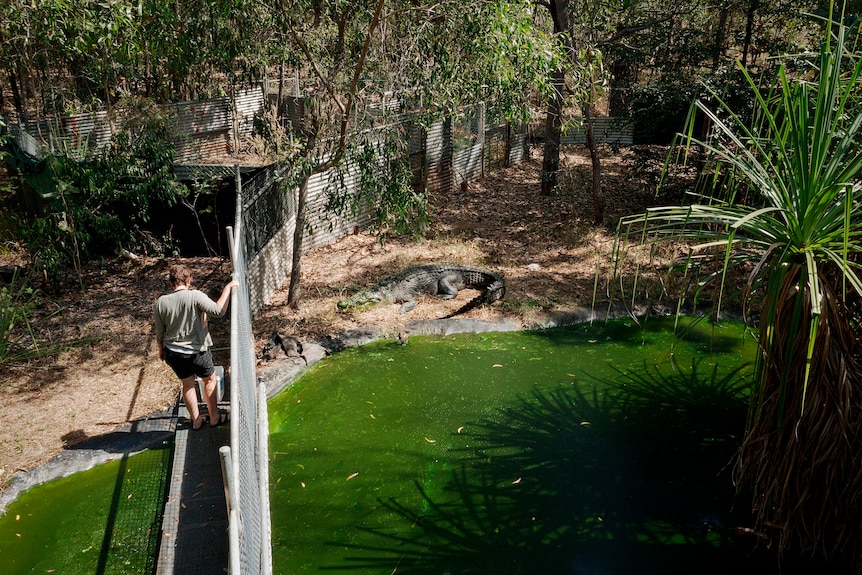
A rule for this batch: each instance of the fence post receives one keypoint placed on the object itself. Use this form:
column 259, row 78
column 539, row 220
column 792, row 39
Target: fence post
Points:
column 230, row 501
column 480, row 135
column 263, row 455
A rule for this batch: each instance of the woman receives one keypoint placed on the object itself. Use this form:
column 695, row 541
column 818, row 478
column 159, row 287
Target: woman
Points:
column 184, row 340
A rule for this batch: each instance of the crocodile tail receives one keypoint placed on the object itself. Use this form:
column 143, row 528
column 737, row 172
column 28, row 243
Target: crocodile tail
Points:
column 494, row 292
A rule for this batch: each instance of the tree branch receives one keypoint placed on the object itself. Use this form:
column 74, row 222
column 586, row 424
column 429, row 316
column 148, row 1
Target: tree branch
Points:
column 631, row 30
column 311, row 61
column 345, row 119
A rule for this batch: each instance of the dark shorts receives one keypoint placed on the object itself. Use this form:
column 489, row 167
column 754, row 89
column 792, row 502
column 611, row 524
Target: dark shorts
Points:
column 189, row 364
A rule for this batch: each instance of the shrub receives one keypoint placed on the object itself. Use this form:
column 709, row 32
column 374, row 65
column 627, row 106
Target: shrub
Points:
column 102, row 205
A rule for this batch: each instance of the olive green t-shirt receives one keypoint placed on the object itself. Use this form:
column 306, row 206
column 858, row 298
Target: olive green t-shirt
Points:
column 179, row 318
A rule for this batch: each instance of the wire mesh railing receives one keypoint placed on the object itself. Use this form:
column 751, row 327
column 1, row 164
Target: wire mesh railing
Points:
column 245, row 462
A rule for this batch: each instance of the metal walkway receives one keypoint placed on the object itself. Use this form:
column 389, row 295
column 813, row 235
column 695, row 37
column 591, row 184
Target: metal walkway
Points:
column 195, row 526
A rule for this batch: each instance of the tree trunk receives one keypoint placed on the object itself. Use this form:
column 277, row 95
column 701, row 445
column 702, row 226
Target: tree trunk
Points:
column 749, row 30
column 559, row 10
column 598, row 193
column 802, row 468
column 299, row 230
column 17, row 100
column 553, row 122
column 280, row 99
column 718, row 48
column 298, row 236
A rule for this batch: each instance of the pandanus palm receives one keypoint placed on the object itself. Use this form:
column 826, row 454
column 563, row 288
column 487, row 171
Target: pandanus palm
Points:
column 798, row 228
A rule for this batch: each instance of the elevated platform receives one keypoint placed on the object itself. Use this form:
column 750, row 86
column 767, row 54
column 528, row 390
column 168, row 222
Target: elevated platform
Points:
column 195, row 525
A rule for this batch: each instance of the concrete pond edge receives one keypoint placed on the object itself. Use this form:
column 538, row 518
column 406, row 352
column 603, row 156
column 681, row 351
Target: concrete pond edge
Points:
column 159, row 428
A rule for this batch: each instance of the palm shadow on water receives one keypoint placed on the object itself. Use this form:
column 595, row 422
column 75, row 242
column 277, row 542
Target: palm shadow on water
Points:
column 632, row 476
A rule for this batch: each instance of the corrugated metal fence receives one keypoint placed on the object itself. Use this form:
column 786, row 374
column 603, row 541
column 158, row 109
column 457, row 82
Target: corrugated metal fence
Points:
column 442, row 157
column 207, row 132
column 203, row 129
column 607, row 130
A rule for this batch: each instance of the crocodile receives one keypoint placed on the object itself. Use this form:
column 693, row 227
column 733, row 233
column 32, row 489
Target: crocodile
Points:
column 440, row 280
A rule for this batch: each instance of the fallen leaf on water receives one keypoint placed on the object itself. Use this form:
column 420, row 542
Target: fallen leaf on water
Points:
column 497, row 365
column 585, row 423
column 460, row 428
column 592, row 340
column 430, row 440
column 372, row 416
column 517, row 481
column 302, row 483
column 352, row 475
column 130, row 496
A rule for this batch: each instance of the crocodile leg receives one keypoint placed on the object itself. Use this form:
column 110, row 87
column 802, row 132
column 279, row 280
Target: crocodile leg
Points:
column 447, row 286
column 407, row 306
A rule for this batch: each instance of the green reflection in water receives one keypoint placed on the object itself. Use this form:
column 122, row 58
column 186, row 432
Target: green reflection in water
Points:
column 588, row 449
column 103, row 521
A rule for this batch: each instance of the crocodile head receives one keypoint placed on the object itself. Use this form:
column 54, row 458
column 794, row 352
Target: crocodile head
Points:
column 362, row 297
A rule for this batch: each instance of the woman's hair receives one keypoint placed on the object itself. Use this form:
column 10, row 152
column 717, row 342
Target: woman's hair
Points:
column 178, row 274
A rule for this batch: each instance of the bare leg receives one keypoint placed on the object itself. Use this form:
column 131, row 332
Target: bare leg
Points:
column 210, row 392
column 190, row 398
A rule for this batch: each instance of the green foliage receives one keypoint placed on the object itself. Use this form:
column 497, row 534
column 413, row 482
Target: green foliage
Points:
column 662, row 53
column 491, row 51
column 386, row 191
column 69, row 56
column 16, row 335
column 102, row 205
column 785, row 208
column 801, row 162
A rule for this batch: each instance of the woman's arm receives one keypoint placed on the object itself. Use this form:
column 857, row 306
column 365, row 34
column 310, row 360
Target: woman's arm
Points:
column 224, row 298
column 217, row 308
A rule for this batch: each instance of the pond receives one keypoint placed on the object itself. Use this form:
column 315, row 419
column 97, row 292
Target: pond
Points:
column 587, row 449
column 104, row 521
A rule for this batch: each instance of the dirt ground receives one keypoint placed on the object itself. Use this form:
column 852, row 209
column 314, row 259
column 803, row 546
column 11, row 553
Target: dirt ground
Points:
column 546, row 247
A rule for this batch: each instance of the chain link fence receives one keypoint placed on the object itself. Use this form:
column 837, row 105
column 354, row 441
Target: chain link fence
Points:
column 246, row 463
column 261, row 243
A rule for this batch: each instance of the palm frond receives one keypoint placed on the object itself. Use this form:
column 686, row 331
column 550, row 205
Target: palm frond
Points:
column 798, row 227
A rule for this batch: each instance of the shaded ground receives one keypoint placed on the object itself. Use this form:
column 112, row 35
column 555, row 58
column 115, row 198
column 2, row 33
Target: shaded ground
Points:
column 546, row 247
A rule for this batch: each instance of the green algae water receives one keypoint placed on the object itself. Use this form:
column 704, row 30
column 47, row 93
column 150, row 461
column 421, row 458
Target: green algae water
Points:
column 104, row 521
column 587, row 450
